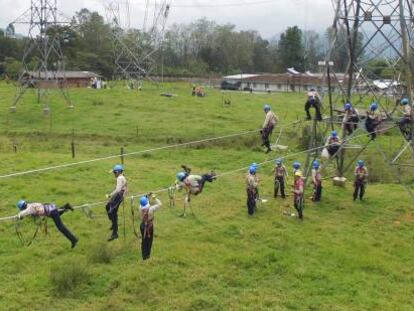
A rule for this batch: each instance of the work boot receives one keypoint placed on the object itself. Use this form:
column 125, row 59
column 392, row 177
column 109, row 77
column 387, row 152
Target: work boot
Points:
column 74, row 243
column 67, row 206
column 186, row 168
column 268, row 150
column 113, row 237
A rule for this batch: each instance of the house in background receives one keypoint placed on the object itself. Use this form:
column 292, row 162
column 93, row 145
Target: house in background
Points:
column 54, row 79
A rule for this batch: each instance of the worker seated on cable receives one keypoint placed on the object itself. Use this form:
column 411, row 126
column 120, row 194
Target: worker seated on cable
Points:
column 268, row 126
column 193, row 184
column 333, row 143
column 313, row 100
column 48, row 210
column 373, row 120
column 252, row 185
column 405, row 122
column 361, row 179
column 350, row 119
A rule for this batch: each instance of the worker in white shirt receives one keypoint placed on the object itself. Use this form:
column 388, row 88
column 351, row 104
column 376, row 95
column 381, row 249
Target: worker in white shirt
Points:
column 47, row 210
column 115, row 199
column 406, row 118
column 268, row 126
column 147, row 223
column 315, row 102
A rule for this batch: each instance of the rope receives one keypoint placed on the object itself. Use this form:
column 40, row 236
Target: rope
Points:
column 89, row 205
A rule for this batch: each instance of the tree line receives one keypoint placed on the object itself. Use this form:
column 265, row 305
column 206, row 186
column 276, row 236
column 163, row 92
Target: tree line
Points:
column 199, row 48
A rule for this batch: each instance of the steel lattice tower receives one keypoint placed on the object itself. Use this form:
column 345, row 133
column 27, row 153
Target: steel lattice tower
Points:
column 43, row 57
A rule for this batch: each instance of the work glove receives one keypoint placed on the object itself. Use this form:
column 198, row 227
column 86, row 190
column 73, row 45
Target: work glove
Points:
column 107, row 196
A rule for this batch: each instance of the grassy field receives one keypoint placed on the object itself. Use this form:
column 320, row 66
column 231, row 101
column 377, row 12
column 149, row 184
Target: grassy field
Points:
column 345, row 255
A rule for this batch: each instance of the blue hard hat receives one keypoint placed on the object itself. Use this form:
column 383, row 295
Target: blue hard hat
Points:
column 373, row 106
column 278, row 161
column 360, row 163
column 296, row 165
column 143, row 201
column 21, row 204
column 181, row 176
column 255, row 165
column 267, row 107
column 252, row 170
column 347, row 106
column 334, row 133
column 118, row 168
column 316, row 164
column 404, row 101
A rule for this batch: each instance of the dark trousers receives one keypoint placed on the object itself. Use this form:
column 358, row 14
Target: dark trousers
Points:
column 315, row 104
column 55, row 215
column 351, row 124
column 251, row 201
column 298, row 203
column 112, row 210
column 147, row 235
column 359, row 189
column 280, row 184
column 405, row 127
column 371, row 126
column 333, row 149
column 317, row 192
column 266, row 133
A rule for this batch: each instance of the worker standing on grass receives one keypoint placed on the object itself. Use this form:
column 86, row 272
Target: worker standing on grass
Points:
column 280, row 179
column 147, row 223
column 315, row 102
column 47, row 210
column 317, row 181
column 298, row 191
column 373, row 120
column 115, row 199
column 296, row 167
column 252, row 184
column 361, row 179
column 268, row 126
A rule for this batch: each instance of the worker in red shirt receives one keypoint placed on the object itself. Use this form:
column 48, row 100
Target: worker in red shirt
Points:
column 298, row 200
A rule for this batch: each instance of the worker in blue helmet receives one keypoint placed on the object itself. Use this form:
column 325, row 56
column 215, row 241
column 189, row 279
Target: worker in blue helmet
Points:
column 149, row 204
column 313, row 100
column 333, row 143
column 252, row 184
column 280, row 179
column 47, row 210
column 350, row 119
column 373, row 120
column 268, row 126
column 406, row 120
column 115, row 199
column 316, row 181
column 361, row 179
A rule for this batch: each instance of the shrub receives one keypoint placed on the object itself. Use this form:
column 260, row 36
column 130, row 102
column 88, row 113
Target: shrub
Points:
column 68, row 277
column 101, row 254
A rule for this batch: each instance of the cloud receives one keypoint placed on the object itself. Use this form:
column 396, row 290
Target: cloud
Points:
column 268, row 17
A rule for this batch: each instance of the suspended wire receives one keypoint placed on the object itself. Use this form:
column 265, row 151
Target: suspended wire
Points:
column 210, row 5
column 90, row 205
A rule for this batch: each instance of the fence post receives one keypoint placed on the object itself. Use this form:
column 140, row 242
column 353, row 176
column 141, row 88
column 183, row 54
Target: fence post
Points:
column 72, row 144
column 122, row 155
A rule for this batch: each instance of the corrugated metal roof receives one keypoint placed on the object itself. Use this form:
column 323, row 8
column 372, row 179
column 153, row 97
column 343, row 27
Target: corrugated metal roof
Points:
column 51, row 75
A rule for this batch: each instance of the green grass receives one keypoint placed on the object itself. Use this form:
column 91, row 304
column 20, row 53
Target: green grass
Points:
column 345, row 255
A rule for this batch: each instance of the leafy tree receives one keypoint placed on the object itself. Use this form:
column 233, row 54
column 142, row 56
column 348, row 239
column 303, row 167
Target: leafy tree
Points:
column 291, row 50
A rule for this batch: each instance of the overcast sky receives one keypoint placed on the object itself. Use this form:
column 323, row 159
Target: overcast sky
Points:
column 269, row 17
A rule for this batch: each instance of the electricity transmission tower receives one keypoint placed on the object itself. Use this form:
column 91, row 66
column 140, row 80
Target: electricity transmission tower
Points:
column 42, row 64
column 134, row 49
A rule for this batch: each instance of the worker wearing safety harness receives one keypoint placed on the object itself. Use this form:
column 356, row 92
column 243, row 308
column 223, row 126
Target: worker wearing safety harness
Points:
column 47, row 210
column 296, row 167
column 406, row 118
column 147, row 223
column 373, row 120
column 350, row 119
column 280, row 179
column 193, row 184
column 298, row 189
column 268, row 126
column 115, row 199
column 315, row 102
column 316, row 181
column 361, row 179
column 252, row 184
column 333, row 143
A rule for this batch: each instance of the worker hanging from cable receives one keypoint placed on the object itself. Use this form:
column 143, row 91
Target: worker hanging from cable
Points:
column 333, row 143
column 115, row 199
column 298, row 191
column 252, row 185
column 316, row 181
column 313, row 100
column 148, row 209
column 406, row 120
column 193, row 184
column 280, row 179
column 361, row 179
column 48, row 210
column 373, row 120
column 350, row 119
column 268, row 126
